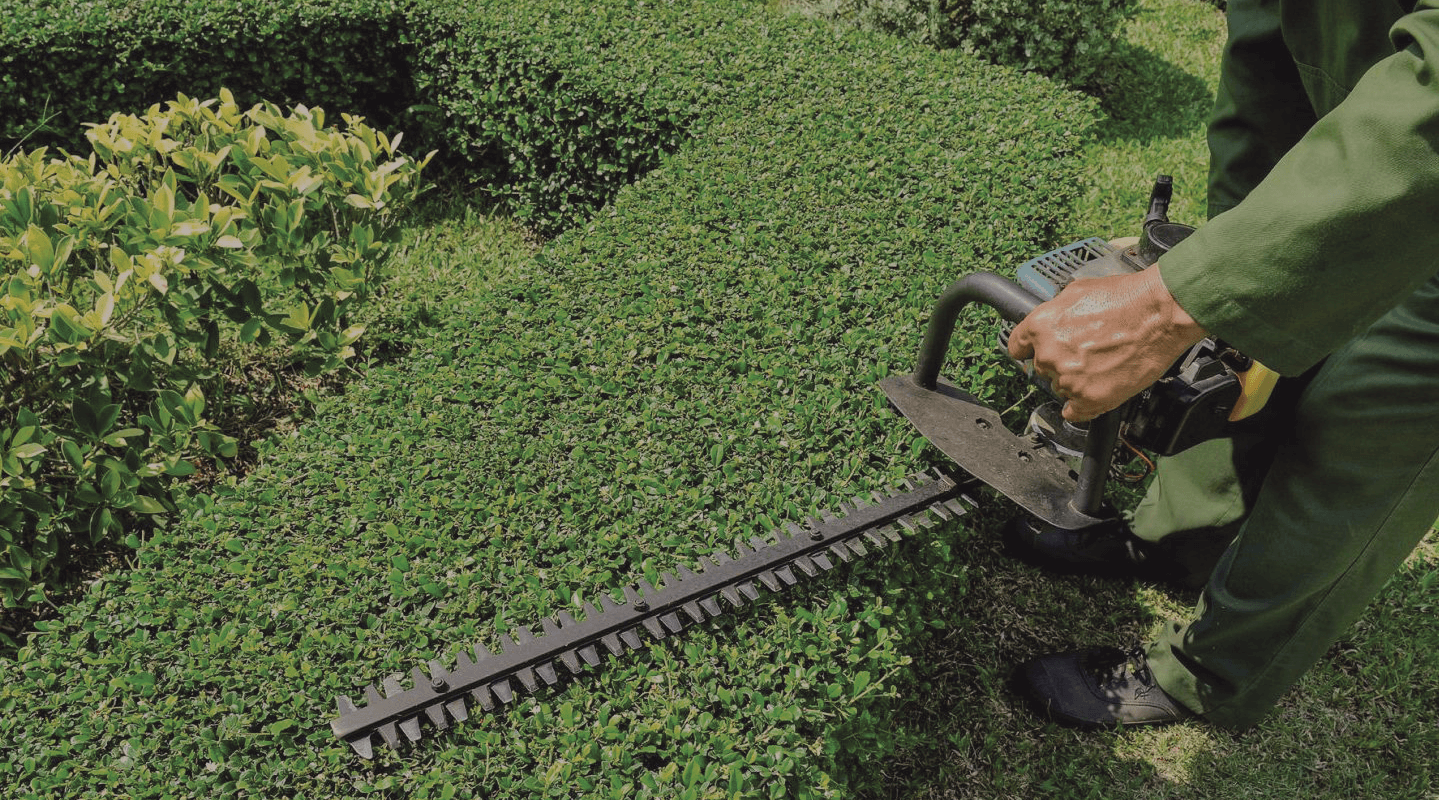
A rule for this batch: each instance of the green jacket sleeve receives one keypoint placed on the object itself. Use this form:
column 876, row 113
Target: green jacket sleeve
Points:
column 1343, row 228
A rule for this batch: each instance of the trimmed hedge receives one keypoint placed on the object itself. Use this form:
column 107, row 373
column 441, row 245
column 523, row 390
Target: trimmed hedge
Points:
column 1075, row 41
column 694, row 364
column 549, row 110
column 518, row 97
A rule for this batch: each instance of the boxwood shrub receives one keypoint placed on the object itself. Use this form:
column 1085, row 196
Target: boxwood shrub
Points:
column 1075, row 41
column 695, row 364
column 522, row 98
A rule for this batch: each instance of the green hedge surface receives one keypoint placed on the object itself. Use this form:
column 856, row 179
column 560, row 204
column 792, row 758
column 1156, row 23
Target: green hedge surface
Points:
column 549, row 108
column 694, row 364
column 1075, row 41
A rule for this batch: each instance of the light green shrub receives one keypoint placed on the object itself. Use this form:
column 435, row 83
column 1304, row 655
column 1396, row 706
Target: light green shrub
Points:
column 125, row 271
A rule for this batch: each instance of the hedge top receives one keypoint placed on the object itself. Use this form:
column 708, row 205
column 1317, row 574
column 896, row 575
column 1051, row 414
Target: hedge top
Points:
column 693, row 364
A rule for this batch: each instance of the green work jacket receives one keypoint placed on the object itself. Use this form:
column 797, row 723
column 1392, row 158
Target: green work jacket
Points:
column 1324, row 184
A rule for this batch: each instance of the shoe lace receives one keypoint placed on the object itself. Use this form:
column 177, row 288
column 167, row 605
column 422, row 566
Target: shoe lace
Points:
column 1115, row 670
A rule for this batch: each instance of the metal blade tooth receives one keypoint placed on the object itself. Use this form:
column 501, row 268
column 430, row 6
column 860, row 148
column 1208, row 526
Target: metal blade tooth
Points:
column 612, row 643
column 673, row 622
column 391, row 735
column 793, row 530
column 878, row 496
column 463, row 662
column 655, row 628
column 891, row 533
column 549, row 626
column 823, row 562
column 435, row 712
column 908, row 524
column 392, row 685
column 711, row 606
column 787, row 575
column 857, row 547
column 411, row 728
column 859, row 501
column 747, row 589
column 806, row 565
column 668, row 579
column 826, row 516
column 457, row 709
column 632, row 595
column 875, row 540
column 547, row 673
column 729, row 593
column 590, row 611
column 694, row 612
column 647, row 590
column 345, row 704
column 591, row 655
column 507, row 644
column 841, row 551
column 631, row 637
column 482, row 653
column 528, row 679
column 484, row 697
column 503, row 691
column 608, row 602
column 571, row 660
column 955, row 506
column 741, row 549
column 686, row 573
column 720, row 558
column 363, row 747
column 940, row 511
column 758, row 542
column 769, row 580
column 523, row 635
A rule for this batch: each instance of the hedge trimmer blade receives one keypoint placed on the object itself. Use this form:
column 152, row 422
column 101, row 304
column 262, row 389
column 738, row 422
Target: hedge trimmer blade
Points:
column 527, row 661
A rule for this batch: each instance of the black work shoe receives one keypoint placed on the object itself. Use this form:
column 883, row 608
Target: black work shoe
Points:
column 1107, row 549
column 1099, row 686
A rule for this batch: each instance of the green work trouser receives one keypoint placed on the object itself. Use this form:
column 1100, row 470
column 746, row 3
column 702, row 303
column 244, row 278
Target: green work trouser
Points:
column 1319, row 504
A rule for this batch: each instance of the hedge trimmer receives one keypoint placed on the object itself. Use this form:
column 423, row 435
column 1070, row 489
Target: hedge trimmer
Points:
column 1055, row 472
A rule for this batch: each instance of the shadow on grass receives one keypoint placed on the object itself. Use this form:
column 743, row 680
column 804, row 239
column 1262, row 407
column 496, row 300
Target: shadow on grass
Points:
column 1362, row 723
column 1149, row 99
column 971, row 735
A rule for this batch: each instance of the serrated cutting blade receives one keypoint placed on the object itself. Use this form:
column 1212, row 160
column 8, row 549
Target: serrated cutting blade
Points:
column 526, row 662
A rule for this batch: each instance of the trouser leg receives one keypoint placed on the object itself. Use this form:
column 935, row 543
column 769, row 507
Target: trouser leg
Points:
column 1199, row 498
column 1260, row 110
column 1346, row 499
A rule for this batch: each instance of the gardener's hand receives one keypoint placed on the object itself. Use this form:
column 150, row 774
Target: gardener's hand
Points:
column 1104, row 340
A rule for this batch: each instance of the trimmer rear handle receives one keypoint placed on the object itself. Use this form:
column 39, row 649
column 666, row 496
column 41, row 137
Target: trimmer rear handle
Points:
column 1012, row 301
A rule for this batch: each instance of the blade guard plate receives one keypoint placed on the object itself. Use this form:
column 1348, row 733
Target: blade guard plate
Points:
column 974, row 437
